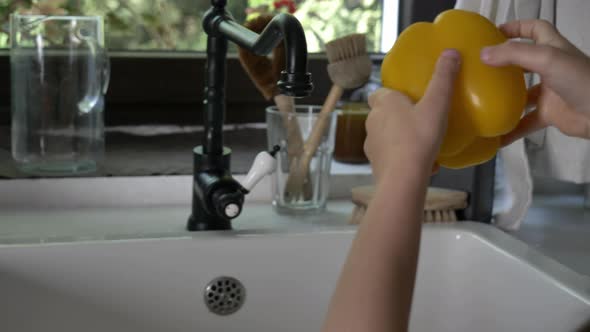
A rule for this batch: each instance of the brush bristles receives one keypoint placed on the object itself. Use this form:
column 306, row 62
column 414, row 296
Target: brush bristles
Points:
column 439, row 216
column 346, row 47
column 429, row 216
column 352, row 73
column 357, row 215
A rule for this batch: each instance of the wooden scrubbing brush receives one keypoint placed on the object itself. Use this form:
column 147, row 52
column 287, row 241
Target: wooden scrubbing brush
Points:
column 265, row 74
column 349, row 67
column 441, row 205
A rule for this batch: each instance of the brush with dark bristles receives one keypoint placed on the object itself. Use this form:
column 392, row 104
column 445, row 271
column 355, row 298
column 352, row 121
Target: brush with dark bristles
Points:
column 349, row 67
column 265, row 73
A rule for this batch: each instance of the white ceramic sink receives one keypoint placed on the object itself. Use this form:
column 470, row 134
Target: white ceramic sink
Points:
column 471, row 278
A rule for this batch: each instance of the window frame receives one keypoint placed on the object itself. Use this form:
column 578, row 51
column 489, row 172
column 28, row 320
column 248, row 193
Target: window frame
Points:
column 151, row 87
column 158, row 88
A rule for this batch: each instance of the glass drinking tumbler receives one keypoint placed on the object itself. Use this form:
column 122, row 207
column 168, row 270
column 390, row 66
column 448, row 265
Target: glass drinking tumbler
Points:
column 289, row 130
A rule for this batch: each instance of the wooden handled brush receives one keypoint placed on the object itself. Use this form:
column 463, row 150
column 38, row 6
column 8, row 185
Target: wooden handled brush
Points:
column 349, row 67
column 440, row 206
column 265, row 74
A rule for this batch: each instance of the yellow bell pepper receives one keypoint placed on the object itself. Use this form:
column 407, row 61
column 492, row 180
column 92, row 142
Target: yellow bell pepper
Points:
column 488, row 102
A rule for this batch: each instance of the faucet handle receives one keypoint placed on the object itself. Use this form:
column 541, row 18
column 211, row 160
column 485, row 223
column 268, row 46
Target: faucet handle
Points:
column 264, row 164
column 229, row 204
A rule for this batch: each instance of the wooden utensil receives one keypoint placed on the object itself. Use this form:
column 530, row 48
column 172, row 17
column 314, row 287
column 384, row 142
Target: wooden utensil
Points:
column 349, row 67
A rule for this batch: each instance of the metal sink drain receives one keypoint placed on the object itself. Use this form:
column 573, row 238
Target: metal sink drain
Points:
column 224, row 295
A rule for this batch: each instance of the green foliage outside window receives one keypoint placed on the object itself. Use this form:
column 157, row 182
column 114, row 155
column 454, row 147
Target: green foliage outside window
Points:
column 175, row 25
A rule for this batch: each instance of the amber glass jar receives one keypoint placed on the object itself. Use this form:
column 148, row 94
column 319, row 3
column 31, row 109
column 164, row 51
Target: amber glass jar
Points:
column 351, row 133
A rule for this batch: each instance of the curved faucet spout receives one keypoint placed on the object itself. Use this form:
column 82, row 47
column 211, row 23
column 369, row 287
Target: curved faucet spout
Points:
column 295, row 79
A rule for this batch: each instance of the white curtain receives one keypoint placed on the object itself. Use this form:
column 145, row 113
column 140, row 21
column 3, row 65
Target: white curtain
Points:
column 513, row 194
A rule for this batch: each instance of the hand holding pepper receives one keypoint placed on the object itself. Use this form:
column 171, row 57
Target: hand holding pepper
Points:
column 562, row 98
column 487, row 103
column 399, row 129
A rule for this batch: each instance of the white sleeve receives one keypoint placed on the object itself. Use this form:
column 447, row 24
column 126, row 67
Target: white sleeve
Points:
column 471, row 5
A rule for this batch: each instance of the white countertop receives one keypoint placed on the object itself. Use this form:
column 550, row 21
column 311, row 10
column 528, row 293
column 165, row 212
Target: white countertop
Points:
column 119, row 208
column 116, row 223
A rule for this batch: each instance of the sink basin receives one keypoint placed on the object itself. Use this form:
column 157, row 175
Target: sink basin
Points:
column 471, row 277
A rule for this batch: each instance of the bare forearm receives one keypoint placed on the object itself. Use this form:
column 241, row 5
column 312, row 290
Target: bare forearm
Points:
column 375, row 289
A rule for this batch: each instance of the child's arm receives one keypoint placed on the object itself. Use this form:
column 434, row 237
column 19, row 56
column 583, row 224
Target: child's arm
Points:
column 375, row 289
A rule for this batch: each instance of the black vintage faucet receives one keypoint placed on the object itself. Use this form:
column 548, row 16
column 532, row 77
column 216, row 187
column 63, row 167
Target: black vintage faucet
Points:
column 217, row 196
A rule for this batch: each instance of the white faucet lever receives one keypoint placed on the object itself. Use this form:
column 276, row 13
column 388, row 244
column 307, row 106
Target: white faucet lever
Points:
column 264, row 164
